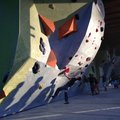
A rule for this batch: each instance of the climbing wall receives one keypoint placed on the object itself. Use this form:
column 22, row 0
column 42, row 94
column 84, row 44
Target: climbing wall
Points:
column 91, row 41
column 81, row 42
column 35, row 36
column 58, row 51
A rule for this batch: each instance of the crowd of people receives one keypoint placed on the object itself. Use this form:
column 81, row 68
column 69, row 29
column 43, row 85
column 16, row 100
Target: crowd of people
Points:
column 93, row 83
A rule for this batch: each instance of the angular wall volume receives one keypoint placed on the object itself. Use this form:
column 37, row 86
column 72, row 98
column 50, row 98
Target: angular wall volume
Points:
column 52, row 59
column 48, row 25
column 68, row 27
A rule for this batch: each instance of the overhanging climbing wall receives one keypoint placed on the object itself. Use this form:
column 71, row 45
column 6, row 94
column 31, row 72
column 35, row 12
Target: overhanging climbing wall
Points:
column 49, row 54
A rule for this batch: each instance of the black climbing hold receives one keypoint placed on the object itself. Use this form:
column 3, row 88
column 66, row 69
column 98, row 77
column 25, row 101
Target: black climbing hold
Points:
column 77, row 16
column 70, row 58
column 102, row 38
column 74, row 0
column 86, row 65
column 35, row 68
column 101, row 29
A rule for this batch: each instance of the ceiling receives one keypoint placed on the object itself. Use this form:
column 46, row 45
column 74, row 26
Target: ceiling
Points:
column 112, row 20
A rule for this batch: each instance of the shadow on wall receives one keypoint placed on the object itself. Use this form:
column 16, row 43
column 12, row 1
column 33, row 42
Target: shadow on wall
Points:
column 22, row 102
column 8, row 107
column 10, row 98
column 32, row 93
column 44, row 96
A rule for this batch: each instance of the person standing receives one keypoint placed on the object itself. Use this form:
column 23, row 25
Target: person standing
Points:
column 93, row 84
column 104, row 82
column 96, row 87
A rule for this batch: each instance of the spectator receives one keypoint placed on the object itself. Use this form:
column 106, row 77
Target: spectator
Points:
column 93, row 84
column 104, row 82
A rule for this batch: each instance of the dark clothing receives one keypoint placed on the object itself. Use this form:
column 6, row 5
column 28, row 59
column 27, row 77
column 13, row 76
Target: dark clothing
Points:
column 93, row 85
column 66, row 86
column 71, row 82
column 66, row 97
column 58, row 90
column 92, row 80
column 104, row 82
column 103, row 79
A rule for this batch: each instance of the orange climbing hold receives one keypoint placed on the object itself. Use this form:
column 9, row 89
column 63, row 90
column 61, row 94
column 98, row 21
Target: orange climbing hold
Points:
column 52, row 60
column 48, row 25
column 68, row 27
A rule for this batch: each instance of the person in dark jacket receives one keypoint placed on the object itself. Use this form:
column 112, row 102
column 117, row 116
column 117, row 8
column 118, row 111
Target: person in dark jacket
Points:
column 96, row 87
column 93, row 84
column 104, row 82
column 65, row 88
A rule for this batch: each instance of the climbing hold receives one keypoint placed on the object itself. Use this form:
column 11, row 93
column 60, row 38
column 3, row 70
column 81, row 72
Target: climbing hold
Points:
column 70, row 58
column 36, row 67
column 52, row 6
column 96, row 30
column 89, row 35
column 80, row 63
column 102, row 38
column 86, row 65
column 101, row 29
column 42, row 46
column 76, row 55
column 88, row 59
column 77, row 16
column 87, row 41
